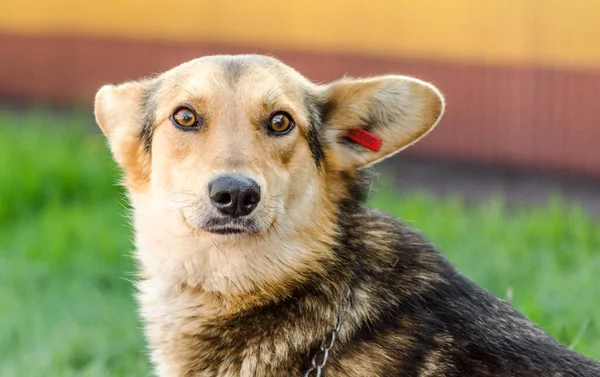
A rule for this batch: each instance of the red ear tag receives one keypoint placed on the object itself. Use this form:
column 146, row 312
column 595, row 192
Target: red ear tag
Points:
column 364, row 138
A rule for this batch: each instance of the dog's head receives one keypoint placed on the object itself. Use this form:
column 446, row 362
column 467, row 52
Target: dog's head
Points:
column 234, row 164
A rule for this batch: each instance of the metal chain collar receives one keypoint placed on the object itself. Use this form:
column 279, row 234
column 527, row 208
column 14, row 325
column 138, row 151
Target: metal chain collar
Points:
column 319, row 359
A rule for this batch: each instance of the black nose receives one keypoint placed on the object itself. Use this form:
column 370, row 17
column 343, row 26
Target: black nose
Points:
column 234, row 195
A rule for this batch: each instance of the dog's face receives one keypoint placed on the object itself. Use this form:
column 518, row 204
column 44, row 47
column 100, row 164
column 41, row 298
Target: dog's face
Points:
column 242, row 155
column 227, row 144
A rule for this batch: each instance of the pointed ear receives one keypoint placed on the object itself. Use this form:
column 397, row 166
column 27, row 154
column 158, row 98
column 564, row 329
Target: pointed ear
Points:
column 396, row 110
column 124, row 114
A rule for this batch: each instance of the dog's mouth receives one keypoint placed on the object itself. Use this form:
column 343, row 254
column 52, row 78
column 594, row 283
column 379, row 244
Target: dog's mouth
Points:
column 226, row 230
column 225, row 226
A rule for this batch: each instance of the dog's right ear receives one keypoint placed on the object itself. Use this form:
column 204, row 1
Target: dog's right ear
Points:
column 370, row 119
column 121, row 113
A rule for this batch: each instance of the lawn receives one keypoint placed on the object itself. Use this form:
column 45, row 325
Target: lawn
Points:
column 66, row 306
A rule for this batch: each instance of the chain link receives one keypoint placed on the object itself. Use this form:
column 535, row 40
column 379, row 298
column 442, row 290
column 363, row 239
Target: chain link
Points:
column 317, row 363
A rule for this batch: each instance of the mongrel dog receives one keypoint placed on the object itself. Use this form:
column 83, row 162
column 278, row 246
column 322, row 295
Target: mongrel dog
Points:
column 253, row 240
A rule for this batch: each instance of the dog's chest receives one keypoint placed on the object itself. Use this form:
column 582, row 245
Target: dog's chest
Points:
column 172, row 319
column 188, row 336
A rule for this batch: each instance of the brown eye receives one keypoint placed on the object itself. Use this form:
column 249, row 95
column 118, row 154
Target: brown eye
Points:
column 185, row 118
column 281, row 123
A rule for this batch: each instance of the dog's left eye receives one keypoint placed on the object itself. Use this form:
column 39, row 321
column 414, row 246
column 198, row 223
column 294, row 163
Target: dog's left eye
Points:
column 281, row 123
column 185, row 118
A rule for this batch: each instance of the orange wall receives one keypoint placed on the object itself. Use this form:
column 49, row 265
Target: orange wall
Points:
column 558, row 33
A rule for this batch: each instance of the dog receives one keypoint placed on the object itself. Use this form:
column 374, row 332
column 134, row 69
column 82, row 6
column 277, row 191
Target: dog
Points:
column 256, row 253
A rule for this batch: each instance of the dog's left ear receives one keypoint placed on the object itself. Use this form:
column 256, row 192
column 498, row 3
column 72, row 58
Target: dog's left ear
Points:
column 396, row 110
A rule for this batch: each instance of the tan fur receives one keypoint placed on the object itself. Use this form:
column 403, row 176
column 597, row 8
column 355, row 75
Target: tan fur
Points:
column 122, row 128
column 190, row 277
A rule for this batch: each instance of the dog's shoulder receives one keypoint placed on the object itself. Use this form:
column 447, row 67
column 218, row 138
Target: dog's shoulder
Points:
column 436, row 313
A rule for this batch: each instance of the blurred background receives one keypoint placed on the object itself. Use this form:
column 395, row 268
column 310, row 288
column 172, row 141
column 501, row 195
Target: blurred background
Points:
column 508, row 185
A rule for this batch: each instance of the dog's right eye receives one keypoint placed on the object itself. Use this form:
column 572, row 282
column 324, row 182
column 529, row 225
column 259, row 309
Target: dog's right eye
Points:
column 185, row 118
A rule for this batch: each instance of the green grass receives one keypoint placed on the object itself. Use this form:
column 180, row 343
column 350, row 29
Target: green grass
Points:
column 66, row 306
